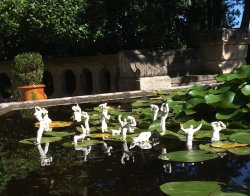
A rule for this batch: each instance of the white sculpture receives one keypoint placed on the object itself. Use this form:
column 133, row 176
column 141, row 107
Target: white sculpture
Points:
column 126, row 154
column 86, row 122
column 142, row 145
column 143, row 137
column 127, row 125
column 81, row 136
column 217, row 127
column 77, row 113
column 131, row 124
column 104, row 116
column 116, row 131
column 45, row 160
column 190, row 133
column 164, row 114
column 44, row 122
column 106, row 148
column 86, row 150
column 154, row 108
column 142, row 140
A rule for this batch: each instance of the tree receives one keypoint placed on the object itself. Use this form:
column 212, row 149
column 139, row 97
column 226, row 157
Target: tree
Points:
column 246, row 14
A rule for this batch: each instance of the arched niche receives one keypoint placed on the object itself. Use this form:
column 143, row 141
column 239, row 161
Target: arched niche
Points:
column 48, row 81
column 68, row 81
column 5, row 86
column 104, row 80
column 86, row 81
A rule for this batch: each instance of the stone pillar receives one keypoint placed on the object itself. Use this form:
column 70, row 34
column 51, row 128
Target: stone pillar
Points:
column 221, row 50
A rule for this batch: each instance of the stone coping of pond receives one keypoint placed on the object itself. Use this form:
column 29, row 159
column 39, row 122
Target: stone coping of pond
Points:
column 96, row 98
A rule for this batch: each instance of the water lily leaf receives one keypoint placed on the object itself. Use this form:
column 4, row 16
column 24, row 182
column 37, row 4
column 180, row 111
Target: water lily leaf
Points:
column 246, row 90
column 199, row 87
column 176, row 135
column 191, row 103
column 141, row 103
column 188, row 156
column 99, row 135
column 219, row 90
column 227, row 114
column 95, row 117
column 243, row 138
column 55, row 124
column 191, row 122
column 156, row 125
column 43, row 140
column 197, row 93
column 160, row 92
column 209, row 148
column 202, row 188
column 190, row 188
column 82, row 143
column 240, row 151
column 224, row 100
column 58, row 134
column 226, row 144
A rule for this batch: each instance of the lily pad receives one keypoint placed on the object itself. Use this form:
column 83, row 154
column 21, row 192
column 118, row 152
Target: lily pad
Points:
column 83, row 143
column 188, row 156
column 200, row 188
column 209, row 148
column 43, row 140
column 55, row 124
column 99, row 135
column 243, row 138
column 240, row 151
column 226, row 144
column 58, row 134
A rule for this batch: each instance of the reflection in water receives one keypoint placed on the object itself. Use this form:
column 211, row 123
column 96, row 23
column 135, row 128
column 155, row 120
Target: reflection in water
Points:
column 243, row 175
column 86, row 150
column 126, row 155
column 106, row 148
column 45, row 160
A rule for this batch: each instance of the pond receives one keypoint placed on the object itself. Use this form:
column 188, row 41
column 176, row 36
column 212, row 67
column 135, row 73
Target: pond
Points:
column 110, row 167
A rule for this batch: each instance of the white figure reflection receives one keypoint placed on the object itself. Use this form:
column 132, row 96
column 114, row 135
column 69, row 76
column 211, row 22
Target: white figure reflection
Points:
column 164, row 114
column 45, row 160
column 41, row 115
column 190, row 134
column 106, row 149
column 166, row 166
column 86, row 122
column 217, row 127
column 86, row 150
column 126, row 155
column 104, row 117
column 81, row 136
column 154, row 108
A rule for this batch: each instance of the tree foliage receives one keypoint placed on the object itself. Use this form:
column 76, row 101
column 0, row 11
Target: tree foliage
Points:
column 77, row 27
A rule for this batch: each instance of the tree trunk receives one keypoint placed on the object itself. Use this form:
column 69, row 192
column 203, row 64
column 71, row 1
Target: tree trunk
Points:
column 215, row 10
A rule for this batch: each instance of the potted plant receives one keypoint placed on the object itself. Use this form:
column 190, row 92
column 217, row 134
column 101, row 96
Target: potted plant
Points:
column 28, row 69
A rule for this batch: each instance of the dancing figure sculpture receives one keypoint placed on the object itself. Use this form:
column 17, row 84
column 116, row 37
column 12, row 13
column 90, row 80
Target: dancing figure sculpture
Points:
column 127, row 125
column 164, row 114
column 217, row 127
column 190, row 134
column 104, row 117
column 77, row 116
column 154, row 108
column 86, row 122
column 41, row 115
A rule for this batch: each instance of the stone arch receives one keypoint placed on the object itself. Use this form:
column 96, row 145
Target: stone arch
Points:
column 69, row 81
column 5, row 86
column 86, row 81
column 48, row 81
column 105, row 80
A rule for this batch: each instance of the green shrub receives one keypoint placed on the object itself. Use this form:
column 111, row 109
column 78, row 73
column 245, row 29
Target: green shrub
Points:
column 28, row 68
